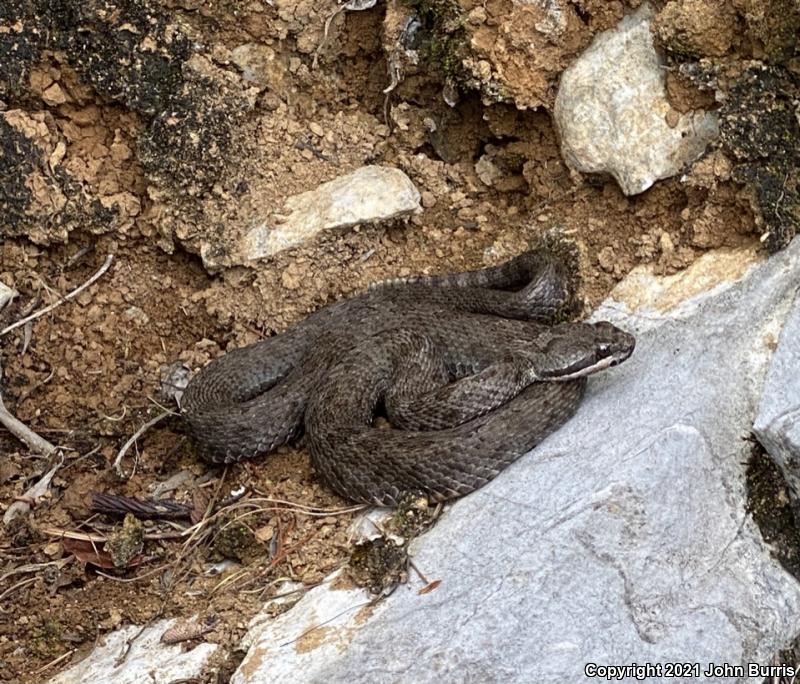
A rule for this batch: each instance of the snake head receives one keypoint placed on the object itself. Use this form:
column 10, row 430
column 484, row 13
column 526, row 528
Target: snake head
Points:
column 575, row 350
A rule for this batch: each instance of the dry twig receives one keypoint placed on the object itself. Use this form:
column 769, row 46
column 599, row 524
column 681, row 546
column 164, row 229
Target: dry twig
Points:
column 132, row 441
column 54, row 662
column 38, row 445
column 41, row 312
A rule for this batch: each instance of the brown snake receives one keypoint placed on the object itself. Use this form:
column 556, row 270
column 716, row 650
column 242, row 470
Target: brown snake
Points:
column 470, row 370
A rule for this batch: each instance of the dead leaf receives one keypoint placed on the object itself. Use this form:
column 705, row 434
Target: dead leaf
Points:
column 429, row 587
column 92, row 552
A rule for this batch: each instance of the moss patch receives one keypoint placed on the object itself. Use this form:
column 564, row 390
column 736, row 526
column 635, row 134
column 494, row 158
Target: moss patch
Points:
column 18, row 158
column 132, row 52
column 759, row 128
column 441, row 39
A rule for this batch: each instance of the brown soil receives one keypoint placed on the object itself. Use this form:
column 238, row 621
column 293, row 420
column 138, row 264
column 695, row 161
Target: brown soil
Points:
column 100, row 173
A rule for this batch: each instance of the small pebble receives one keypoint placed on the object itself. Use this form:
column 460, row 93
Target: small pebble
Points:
column 477, row 16
column 672, row 118
column 666, row 244
column 428, row 199
column 54, row 95
column 606, row 259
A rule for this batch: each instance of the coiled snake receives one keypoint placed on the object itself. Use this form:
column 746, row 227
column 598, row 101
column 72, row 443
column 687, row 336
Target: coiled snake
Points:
column 470, row 370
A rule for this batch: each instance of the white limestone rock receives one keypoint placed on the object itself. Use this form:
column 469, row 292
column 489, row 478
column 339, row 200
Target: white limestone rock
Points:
column 7, row 295
column 147, row 660
column 371, row 193
column 613, row 115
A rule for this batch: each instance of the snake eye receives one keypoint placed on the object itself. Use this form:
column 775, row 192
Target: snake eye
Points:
column 604, row 348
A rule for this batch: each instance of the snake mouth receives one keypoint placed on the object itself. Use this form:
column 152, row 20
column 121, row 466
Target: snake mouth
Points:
column 605, row 356
column 585, row 367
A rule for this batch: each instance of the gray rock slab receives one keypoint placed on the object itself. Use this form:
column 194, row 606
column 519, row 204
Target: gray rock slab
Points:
column 613, row 115
column 777, row 424
column 370, row 193
column 147, row 659
column 623, row 538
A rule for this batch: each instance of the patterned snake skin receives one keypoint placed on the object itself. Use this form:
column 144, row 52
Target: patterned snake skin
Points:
column 469, row 369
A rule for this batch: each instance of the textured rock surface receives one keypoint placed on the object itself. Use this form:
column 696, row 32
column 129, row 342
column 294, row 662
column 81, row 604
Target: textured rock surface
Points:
column 623, row 538
column 777, row 425
column 6, row 294
column 148, row 660
column 340, row 613
column 613, row 115
column 371, row 193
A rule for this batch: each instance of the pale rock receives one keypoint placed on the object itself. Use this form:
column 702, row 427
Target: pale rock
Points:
column 320, row 625
column 554, row 20
column 428, row 199
column 54, row 95
column 371, row 193
column 260, row 65
column 7, row 295
column 147, row 660
column 613, row 115
column 487, row 171
column 136, row 315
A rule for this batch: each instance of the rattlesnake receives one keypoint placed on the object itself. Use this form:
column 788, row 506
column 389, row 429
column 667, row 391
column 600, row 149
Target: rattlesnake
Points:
column 470, row 370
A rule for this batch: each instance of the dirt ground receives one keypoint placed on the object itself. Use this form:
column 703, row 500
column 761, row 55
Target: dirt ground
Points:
column 96, row 164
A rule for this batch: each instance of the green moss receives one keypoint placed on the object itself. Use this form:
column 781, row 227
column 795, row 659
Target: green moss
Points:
column 236, row 540
column 378, row 565
column 47, row 640
column 18, row 160
column 778, row 30
column 131, row 52
column 443, row 40
column 760, row 130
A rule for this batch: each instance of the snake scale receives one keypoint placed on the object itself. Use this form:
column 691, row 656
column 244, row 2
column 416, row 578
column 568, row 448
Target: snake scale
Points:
column 471, row 371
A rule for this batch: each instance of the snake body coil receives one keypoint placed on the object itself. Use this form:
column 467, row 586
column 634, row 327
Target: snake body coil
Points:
column 469, row 369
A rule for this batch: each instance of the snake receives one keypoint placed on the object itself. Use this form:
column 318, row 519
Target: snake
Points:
column 469, row 372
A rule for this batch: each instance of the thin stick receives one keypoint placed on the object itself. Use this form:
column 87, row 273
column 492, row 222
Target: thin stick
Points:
column 138, row 578
column 326, row 29
column 418, row 571
column 38, row 445
column 297, row 506
column 33, row 567
column 41, row 312
column 329, row 620
column 18, row 585
column 132, row 440
column 56, row 661
column 97, row 538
